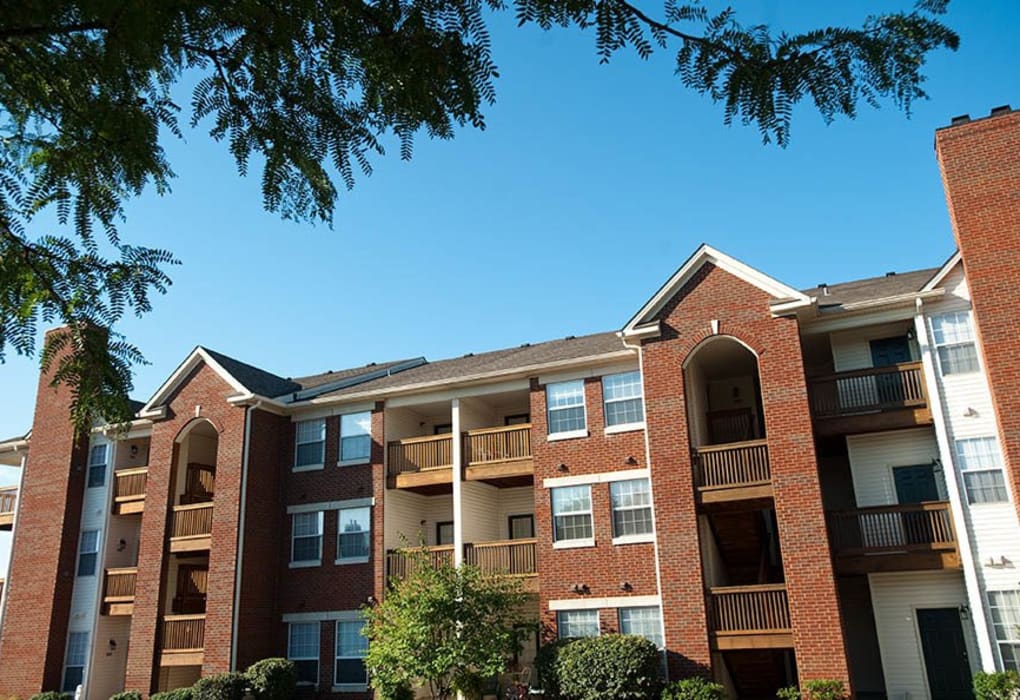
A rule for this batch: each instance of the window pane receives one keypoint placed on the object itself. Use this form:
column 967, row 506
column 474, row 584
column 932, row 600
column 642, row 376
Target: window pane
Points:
column 354, row 546
column 621, row 386
column 632, row 512
column 956, row 359
column 97, row 455
column 356, row 424
column 356, row 447
column 632, row 522
column 307, row 524
column 307, row 548
column 571, row 499
column 952, row 328
column 643, row 622
column 307, row 671
column 309, row 453
column 1005, row 609
column 304, row 640
column 307, row 537
column 978, row 453
column 72, row 678
column 351, row 647
column 985, row 487
column 74, row 668
column 311, row 430
column 87, row 553
column 624, row 412
column 628, row 494
column 577, row 623
column 572, row 527
column 355, row 524
column 97, row 475
column 565, row 402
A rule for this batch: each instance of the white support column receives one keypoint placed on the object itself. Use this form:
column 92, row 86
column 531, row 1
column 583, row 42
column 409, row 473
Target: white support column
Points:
column 974, row 597
column 14, row 527
column 458, row 518
column 104, row 533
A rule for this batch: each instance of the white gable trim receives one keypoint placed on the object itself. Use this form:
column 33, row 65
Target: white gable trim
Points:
column 954, row 260
column 197, row 356
column 708, row 254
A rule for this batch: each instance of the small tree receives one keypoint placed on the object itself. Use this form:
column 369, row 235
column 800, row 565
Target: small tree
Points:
column 442, row 625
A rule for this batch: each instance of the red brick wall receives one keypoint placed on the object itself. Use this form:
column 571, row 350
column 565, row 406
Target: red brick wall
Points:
column 45, row 548
column 207, row 391
column 742, row 311
column 981, row 174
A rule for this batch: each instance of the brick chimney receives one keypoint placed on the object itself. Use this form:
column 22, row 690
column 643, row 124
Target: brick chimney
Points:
column 42, row 566
column 980, row 163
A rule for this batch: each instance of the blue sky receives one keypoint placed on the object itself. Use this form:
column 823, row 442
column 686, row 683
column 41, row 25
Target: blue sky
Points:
column 590, row 186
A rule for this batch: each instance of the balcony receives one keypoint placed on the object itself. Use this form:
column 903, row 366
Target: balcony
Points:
column 502, row 558
column 129, row 490
column 500, row 456
column 422, row 464
column 400, row 563
column 749, row 617
column 119, row 591
column 183, row 640
column 731, row 472
column 905, row 537
column 8, row 501
column 869, row 400
column 191, row 527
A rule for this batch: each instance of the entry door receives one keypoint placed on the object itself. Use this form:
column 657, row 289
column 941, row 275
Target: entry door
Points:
column 915, row 484
column 945, row 654
column 884, row 353
column 191, row 587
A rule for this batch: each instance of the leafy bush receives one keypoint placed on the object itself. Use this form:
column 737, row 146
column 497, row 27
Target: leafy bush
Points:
column 51, row 695
column 127, row 695
column 177, row 694
column 547, row 667
column 619, row 666
column 790, row 692
column 222, row 686
column 1004, row 685
column 272, row 679
column 400, row 692
column 696, row 688
column 821, row 689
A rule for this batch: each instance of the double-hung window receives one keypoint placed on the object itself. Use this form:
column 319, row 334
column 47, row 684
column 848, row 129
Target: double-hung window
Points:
column 351, row 648
column 74, row 663
column 644, row 622
column 573, row 624
column 306, row 539
column 621, row 394
column 354, row 539
column 632, row 508
column 309, row 443
column 355, row 437
column 954, row 342
column 303, row 650
column 571, row 509
column 1005, row 609
column 97, row 465
column 981, row 467
column 88, row 553
column 565, row 407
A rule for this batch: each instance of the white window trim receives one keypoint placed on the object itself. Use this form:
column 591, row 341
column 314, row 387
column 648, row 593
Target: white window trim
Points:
column 353, row 560
column 634, row 539
column 317, row 659
column 344, row 687
column 633, row 601
column 574, row 544
column 305, row 563
column 579, row 541
column 624, row 428
column 567, row 434
column 340, row 442
column 297, row 443
column 638, row 537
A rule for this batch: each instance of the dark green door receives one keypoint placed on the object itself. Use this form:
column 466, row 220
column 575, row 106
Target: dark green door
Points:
column 945, row 654
column 915, row 484
column 884, row 353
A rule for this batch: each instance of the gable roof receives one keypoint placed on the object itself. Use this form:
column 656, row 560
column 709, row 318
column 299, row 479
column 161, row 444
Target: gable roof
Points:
column 943, row 272
column 707, row 254
column 255, row 380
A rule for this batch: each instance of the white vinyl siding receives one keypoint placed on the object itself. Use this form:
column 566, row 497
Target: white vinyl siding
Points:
column 632, row 508
column 621, row 394
column 980, row 464
column 572, row 519
column 303, row 650
column 354, row 540
column 351, row 648
column 565, row 407
column 954, row 343
column 355, row 437
column 309, row 443
column 572, row 624
column 873, row 457
column 306, row 538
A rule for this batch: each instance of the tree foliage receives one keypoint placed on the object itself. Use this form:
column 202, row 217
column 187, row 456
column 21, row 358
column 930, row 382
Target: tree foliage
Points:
column 441, row 627
column 308, row 92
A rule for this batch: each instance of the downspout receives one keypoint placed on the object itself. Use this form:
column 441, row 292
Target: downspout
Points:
column 245, row 457
column 651, row 493
column 973, row 587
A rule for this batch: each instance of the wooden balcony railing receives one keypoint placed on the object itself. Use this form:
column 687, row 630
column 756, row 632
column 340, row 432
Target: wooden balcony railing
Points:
column 504, row 444
column 733, row 464
column 8, row 499
column 119, row 585
column 129, row 488
column 183, row 632
column 400, row 563
column 913, row 527
column 749, row 609
column 868, row 390
column 420, row 454
column 514, row 557
column 192, row 520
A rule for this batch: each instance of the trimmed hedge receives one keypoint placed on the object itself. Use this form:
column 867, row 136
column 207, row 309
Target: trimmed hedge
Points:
column 222, row 686
column 177, row 694
column 696, row 688
column 52, row 695
column 619, row 666
column 272, row 679
column 1004, row 685
column 814, row 690
column 127, row 695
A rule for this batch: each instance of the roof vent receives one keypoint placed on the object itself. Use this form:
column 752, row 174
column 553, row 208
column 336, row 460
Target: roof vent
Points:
column 470, row 354
column 890, row 274
column 570, row 337
column 825, row 289
column 1001, row 109
column 370, row 364
column 525, row 345
column 962, row 119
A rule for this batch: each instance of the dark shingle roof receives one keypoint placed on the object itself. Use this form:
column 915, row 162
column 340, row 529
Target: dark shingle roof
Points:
column 498, row 360
column 341, row 374
column 872, row 288
column 255, row 380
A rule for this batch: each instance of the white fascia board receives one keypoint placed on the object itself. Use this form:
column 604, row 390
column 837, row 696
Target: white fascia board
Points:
column 197, row 356
column 841, row 321
column 708, row 254
column 261, row 402
column 588, row 372
column 648, row 330
column 954, row 260
column 327, row 411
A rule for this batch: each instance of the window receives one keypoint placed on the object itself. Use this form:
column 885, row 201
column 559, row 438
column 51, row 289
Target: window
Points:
column 306, row 538
column 97, row 466
column 303, row 650
column 351, row 647
column 644, row 622
column 88, row 553
column 310, row 443
column 1005, row 609
column 355, row 437
column 632, row 507
column 444, row 532
column 565, row 402
column 571, row 624
column 521, row 527
column 74, row 666
column 954, row 342
column 622, row 396
column 571, row 507
column 981, row 467
column 353, row 540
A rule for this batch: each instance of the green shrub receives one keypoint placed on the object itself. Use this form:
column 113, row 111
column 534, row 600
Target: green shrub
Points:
column 272, row 679
column 176, row 694
column 790, row 692
column 401, row 692
column 696, row 688
column 1004, row 685
column 222, row 686
column 821, row 689
column 547, row 667
column 51, row 695
column 127, row 695
column 619, row 666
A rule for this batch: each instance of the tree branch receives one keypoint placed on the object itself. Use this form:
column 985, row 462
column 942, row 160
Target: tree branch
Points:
column 25, row 32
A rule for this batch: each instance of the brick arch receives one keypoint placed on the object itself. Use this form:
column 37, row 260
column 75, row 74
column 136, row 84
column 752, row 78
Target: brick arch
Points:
column 186, row 429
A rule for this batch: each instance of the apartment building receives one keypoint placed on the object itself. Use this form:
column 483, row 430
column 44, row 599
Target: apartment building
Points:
column 774, row 485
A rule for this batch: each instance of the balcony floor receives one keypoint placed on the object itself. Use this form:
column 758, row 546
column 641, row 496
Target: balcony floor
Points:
column 433, row 482
column 873, row 422
column 896, row 561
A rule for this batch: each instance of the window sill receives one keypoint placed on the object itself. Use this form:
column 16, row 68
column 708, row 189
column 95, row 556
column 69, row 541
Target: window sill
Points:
column 353, row 462
column 569, row 435
column 624, row 428
column 305, row 564
column 351, row 560
column 574, row 544
column 350, row 688
column 634, row 539
column 308, row 468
